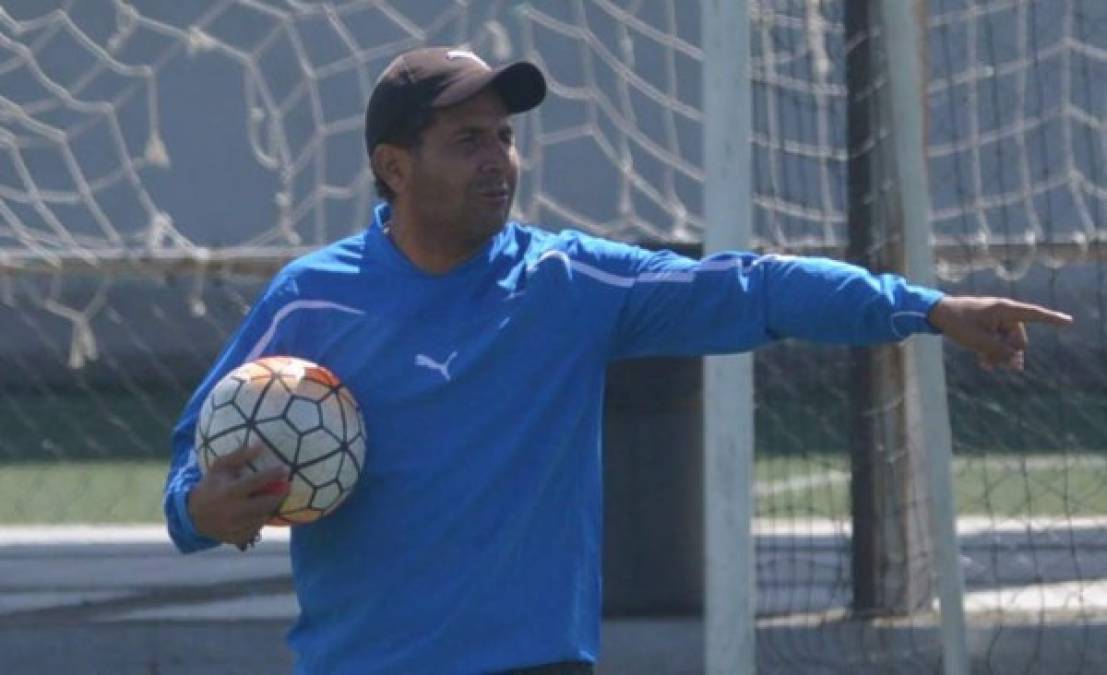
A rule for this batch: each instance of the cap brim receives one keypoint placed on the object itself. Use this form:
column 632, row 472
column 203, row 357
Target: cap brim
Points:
column 521, row 85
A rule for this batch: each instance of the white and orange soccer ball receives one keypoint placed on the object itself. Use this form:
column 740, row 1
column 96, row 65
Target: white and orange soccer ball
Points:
column 304, row 417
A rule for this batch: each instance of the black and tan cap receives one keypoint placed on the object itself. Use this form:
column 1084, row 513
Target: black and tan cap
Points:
column 437, row 77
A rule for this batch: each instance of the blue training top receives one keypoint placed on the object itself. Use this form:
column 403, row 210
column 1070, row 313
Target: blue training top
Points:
column 472, row 541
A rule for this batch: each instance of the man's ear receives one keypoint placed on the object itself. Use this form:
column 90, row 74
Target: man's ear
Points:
column 392, row 164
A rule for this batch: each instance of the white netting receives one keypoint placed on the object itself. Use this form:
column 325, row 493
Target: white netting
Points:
column 1016, row 157
column 158, row 160
column 105, row 100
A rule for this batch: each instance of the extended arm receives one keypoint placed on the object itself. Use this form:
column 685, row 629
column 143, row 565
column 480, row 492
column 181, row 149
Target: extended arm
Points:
column 734, row 301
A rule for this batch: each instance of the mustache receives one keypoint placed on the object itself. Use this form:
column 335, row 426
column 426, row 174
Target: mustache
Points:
column 495, row 186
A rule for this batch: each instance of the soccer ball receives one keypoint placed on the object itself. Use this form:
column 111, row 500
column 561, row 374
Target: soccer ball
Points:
column 304, row 417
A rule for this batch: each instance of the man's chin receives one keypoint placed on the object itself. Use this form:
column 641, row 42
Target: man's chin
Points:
column 492, row 221
column 490, row 229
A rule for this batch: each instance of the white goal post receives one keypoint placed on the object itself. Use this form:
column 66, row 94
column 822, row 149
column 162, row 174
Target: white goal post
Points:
column 730, row 586
column 730, row 577
column 927, row 408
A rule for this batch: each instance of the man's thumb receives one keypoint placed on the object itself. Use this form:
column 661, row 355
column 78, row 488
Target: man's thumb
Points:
column 237, row 459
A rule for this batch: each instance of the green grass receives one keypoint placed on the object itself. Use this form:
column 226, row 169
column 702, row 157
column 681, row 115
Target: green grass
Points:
column 998, row 485
column 95, row 454
column 813, row 486
column 82, row 491
column 1044, row 486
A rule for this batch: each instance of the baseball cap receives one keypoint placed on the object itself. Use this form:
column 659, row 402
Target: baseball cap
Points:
column 437, row 77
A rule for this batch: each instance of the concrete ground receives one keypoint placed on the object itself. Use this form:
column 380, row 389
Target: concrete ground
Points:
column 73, row 602
column 121, row 603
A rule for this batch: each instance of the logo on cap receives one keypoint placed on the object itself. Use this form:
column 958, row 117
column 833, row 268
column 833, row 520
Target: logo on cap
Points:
column 462, row 54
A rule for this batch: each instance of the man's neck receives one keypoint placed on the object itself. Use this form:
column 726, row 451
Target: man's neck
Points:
column 433, row 249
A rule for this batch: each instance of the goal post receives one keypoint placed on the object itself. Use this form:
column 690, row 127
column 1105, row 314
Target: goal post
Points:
column 928, row 425
column 922, row 421
column 730, row 584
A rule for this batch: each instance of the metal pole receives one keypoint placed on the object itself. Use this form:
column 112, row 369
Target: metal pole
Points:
column 729, row 603
column 903, row 25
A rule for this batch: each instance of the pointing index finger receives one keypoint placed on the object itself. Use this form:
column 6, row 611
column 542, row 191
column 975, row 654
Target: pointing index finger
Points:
column 1021, row 311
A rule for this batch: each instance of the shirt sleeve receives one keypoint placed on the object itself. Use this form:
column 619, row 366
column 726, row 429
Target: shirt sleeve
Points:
column 733, row 302
column 264, row 332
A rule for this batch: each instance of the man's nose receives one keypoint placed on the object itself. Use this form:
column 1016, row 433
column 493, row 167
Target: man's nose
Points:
column 496, row 156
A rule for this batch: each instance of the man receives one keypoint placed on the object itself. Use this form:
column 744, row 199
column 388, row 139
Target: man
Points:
column 477, row 349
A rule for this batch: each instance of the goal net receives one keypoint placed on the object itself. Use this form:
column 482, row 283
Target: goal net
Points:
column 1015, row 119
column 159, row 160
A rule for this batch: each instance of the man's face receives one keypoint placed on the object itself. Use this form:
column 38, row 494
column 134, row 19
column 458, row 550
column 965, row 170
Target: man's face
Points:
column 464, row 171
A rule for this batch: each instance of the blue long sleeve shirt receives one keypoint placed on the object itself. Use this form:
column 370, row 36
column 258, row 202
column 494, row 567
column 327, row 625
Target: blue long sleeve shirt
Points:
column 472, row 541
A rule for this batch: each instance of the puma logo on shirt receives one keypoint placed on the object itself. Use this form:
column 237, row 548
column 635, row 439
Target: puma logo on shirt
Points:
column 443, row 368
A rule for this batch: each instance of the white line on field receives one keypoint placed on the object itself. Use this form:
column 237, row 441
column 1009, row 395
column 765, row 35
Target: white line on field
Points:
column 1068, row 596
column 24, row 535
column 797, row 483
column 966, row 525
column 824, row 479
column 38, row 535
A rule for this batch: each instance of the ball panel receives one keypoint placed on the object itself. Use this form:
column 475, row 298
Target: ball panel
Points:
column 326, row 497
column 274, row 401
column 228, row 440
column 323, row 471
column 247, row 395
column 262, row 370
column 331, row 411
column 224, row 391
column 299, row 495
column 316, row 445
column 322, row 377
column 303, row 414
column 348, row 471
column 319, row 374
column 204, row 422
column 281, row 365
column 280, row 438
column 312, row 390
column 356, row 447
column 223, row 418
column 351, row 414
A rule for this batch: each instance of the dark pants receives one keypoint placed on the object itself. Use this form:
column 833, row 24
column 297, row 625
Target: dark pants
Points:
column 563, row 668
